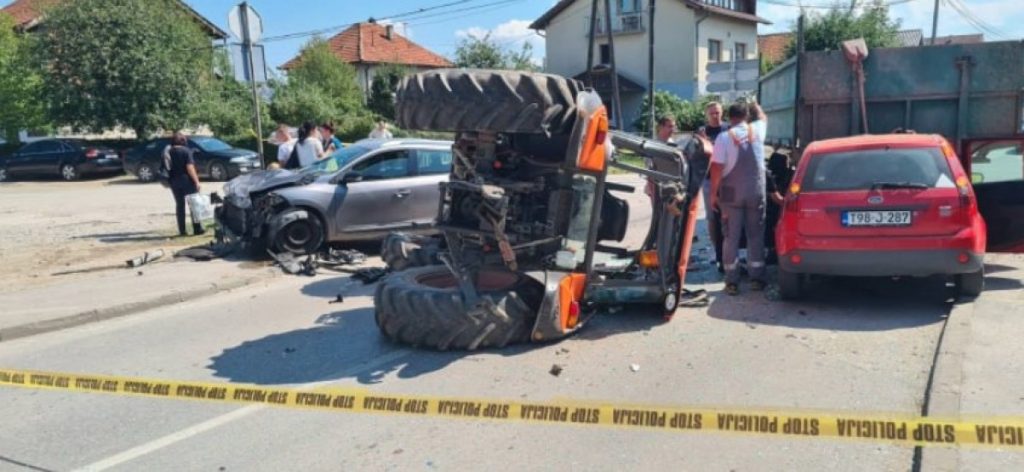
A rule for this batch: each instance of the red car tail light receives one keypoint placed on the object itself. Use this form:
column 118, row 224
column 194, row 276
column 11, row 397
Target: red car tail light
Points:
column 91, row 153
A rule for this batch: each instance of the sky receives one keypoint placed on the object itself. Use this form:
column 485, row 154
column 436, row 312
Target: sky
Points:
column 507, row 20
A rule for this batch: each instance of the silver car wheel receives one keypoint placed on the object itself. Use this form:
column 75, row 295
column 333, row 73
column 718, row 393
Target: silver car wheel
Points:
column 68, row 172
column 145, row 173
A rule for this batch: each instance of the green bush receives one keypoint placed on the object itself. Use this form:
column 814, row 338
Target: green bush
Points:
column 689, row 115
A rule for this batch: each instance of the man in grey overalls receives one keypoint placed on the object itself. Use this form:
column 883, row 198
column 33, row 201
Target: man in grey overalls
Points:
column 737, row 188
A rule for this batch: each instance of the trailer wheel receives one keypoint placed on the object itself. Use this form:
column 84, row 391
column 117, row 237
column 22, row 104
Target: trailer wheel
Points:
column 401, row 251
column 423, row 307
column 487, row 100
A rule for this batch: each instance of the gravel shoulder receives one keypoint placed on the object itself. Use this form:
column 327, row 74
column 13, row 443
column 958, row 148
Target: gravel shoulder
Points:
column 48, row 227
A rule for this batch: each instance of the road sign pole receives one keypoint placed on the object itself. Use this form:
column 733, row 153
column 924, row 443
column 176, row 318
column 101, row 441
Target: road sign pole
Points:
column 251, row 65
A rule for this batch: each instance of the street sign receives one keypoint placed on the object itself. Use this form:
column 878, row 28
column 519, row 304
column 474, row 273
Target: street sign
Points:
column 239, row 56
column 251, row 20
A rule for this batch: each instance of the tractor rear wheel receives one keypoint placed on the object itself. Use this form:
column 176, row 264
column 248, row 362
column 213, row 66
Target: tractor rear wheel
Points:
column 422, row 306
column 487, row 100
column 401, row 251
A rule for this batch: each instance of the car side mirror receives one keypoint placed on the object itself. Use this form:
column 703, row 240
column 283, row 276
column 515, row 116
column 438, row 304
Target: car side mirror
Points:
column 352, row 177
column 977, row 177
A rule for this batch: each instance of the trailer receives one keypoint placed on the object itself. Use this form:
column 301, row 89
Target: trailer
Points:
column 972, row 94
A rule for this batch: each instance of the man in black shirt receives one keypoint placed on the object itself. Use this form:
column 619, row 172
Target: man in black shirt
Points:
column 182, row 178
column 711, row 129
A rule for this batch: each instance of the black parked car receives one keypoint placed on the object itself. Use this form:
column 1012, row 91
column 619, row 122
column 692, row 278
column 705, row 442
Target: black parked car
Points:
column 68, row 158
column 215, row 159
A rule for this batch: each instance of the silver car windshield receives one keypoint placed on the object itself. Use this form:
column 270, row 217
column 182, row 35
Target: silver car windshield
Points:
column 336, row 161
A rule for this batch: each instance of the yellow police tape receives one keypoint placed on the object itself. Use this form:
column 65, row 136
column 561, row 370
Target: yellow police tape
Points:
column 991, row 432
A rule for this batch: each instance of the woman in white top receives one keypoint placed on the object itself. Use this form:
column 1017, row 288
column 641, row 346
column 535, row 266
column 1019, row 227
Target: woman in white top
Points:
column 309, row 148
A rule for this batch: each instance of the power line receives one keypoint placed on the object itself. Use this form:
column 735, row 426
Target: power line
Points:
column 409, row 15
column 974, row 20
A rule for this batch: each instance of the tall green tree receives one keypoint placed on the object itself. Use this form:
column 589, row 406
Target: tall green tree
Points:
column 225, row 104
column 485, row 53
column 126, row 63
column 21, row 96
column 827, row 31
column 382, row 90
column 321, row 87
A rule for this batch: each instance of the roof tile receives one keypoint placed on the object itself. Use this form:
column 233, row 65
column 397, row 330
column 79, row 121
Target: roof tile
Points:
column 369, row 43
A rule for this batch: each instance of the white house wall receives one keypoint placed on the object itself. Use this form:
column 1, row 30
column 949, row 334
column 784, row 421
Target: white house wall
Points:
column 729, row 32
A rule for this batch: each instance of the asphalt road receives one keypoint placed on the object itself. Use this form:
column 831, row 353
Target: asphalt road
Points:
column 861, row 347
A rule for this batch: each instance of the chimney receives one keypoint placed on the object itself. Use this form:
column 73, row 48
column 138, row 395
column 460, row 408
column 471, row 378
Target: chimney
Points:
column 387, row 31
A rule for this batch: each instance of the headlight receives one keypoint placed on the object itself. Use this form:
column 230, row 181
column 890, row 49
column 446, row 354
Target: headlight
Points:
column 241, row 159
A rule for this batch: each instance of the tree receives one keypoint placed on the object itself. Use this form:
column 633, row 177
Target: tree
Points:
column 382, row 90
column 111, row 63
column 485, row 53
column 827, row 31
column 321, row 87
column 21, row 96
column 689, row 115
column 225, row 104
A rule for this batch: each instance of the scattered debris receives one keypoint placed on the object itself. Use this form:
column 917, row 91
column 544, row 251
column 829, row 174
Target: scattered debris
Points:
column 208, row 252
column 140, row 272
column 338, row 299
column 556, row 370
column 369, row 275
column 145, row 258
column 333, row 257
column 292, row 265
column 634, row 367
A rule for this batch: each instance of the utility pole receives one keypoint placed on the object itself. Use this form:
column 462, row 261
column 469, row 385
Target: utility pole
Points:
column 935, row 20
column 650, row 70
column 251, row 65
column 616, row 104
column 590, row 43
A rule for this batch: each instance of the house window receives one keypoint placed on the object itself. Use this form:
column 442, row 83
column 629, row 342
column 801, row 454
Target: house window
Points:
column 741, row 51
column 714, row 50
column 629, row 6
column 606, row 57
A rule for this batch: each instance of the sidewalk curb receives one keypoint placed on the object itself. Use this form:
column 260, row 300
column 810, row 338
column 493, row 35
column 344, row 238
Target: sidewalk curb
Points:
column 117, row 311
column 944, row 399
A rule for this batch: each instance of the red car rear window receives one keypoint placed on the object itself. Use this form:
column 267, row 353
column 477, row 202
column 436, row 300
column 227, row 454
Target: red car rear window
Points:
column 867, row 168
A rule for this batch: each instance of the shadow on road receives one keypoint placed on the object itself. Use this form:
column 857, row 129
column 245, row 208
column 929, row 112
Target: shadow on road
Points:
column 1002, row 283
column 844, row 304
column 339, row 343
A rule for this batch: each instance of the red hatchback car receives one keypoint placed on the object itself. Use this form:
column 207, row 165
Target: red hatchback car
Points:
column 881, row 205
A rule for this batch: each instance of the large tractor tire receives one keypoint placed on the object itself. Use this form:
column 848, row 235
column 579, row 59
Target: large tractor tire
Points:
column 487, row 100
column 423, row 307
column 401, row 251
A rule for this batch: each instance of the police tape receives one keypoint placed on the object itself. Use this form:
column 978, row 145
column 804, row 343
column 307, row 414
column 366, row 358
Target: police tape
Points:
column 920, row 431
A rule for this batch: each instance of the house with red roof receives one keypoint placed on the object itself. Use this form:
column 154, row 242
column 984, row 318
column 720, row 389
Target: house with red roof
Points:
column 370, row 45
column 30, row 14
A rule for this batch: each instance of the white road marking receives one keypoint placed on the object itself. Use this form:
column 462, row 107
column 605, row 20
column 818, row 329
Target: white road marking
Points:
column 196, row 429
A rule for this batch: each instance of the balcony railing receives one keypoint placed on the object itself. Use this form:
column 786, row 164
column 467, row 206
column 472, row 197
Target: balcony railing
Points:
column 621, row 24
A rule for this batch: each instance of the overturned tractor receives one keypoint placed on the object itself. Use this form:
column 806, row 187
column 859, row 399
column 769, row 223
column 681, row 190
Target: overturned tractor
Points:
column 528, row 219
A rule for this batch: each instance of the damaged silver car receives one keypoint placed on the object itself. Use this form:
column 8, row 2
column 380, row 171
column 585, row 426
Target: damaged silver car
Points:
column 361, row 192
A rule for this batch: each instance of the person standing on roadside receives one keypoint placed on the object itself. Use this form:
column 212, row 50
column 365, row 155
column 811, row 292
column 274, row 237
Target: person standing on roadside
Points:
column 308, row 148
column 285, row 143
column 738, row 191
column 711, row 129
column 381, row 131
column 331, row 142
column 182, row 178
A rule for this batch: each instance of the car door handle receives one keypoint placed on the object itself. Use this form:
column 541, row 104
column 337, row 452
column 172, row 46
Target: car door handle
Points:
column 403, row 193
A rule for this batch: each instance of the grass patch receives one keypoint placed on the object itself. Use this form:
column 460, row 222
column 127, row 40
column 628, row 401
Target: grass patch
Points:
column 626, row 157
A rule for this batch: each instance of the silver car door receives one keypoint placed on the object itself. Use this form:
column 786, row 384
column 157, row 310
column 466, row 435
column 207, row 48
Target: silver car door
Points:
column 377, row 193
column 432, row 168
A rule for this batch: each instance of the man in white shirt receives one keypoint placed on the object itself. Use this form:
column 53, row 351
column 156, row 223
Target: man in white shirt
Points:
column 381, row 131
column 738, row 190
column 285, row 143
